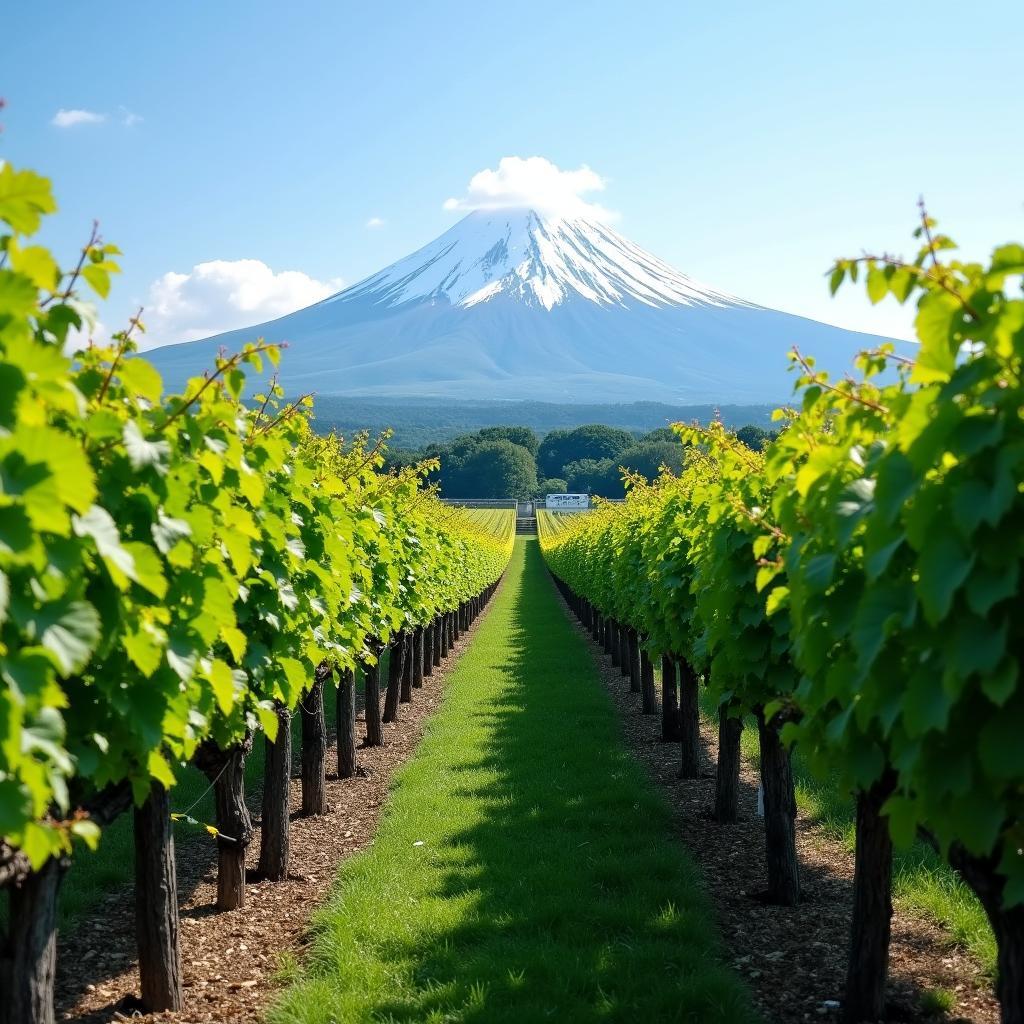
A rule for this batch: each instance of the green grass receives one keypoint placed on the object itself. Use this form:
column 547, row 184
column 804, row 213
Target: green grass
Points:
column 938, row 1000
column 546, row 886
column 922, row 880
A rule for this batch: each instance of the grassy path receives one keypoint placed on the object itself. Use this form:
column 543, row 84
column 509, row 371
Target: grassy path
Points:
column 523, row 870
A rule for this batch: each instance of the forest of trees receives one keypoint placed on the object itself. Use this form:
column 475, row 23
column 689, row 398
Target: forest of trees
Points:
column 514, row 461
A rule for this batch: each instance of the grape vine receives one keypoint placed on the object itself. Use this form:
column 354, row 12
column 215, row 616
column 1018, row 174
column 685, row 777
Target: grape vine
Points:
column 858, row 586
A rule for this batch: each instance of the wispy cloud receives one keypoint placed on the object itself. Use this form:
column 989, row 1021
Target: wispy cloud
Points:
column 128, row 118
column 375, row 222
column 222, row 295
column 69, row 118
column 537, row 183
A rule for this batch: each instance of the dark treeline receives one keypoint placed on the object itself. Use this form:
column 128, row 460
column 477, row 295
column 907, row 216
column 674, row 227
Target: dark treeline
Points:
column 417, row 422
column 514, row 461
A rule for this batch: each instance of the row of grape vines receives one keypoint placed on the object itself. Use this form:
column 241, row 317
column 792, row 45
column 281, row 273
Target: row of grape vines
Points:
column 856, row 588
column 499, row 521
column 177, row 574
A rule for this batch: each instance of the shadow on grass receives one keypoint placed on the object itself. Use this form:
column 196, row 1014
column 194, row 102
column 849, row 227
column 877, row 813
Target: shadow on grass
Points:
column 524, row 870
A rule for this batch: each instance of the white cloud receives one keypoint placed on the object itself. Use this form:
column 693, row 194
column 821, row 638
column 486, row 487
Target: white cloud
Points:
column 222, row 295
column 69, row 118
column 375, row 222
column 535, row 182
column 129, row 119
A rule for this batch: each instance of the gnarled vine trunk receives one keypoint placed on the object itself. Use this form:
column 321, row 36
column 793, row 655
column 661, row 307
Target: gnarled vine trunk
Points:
column 689, row 721
column 405, row 694
column 669, row 700
column 346, row 724
column 371, row 680
column 633, row 641
column 983, row 877
column 418, row 657
column 396, row 666
column 867, row 970
column 428, row 649
column 783, row 867
column 277, row 776
column 727, row 777
column 314, row 745
column 226, row 769
column 29, row 965
column 156, row 904
column 649, row 698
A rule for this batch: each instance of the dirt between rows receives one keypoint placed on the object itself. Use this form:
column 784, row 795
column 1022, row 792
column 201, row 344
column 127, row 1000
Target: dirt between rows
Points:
column 794, row 958
column 233, row 960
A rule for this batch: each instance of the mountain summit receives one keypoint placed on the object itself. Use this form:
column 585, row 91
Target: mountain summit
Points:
column 538, row 261
column 511, row 304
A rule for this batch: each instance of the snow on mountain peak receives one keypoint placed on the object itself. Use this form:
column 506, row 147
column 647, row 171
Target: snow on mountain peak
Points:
column 540, row 260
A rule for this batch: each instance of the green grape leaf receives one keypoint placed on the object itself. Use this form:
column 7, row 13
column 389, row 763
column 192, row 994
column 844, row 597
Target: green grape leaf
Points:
column 69, row 630
column 143, row 453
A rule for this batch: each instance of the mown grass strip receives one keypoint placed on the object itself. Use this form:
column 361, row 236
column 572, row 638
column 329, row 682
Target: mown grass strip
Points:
column 523, row 870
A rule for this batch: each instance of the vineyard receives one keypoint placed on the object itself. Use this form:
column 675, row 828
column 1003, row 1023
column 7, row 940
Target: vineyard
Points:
column 499, row 522
column 855, row 590
column 179, row 573
column 192, row 583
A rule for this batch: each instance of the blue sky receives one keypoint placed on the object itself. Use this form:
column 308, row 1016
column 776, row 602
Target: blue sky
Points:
column 748, row 144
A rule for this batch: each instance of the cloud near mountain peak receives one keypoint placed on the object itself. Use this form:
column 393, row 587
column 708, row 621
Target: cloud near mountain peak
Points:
column 537, row 183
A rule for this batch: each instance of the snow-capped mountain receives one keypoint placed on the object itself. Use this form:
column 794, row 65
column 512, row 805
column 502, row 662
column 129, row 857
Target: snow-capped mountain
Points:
column 540, row 262
column 509, row 304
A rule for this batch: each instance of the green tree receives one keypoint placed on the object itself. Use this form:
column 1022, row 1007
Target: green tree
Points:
column 493, row 469
column 553, row 485
column 589, row 476
column 648, row 458
column 522, row 436
column 660, row 434
column 756, row 438
column 592, row 441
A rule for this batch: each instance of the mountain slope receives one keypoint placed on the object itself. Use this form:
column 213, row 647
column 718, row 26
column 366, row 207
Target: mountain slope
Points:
column 511, row 305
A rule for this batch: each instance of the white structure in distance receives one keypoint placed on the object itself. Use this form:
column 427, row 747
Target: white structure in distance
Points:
column 568, row 501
